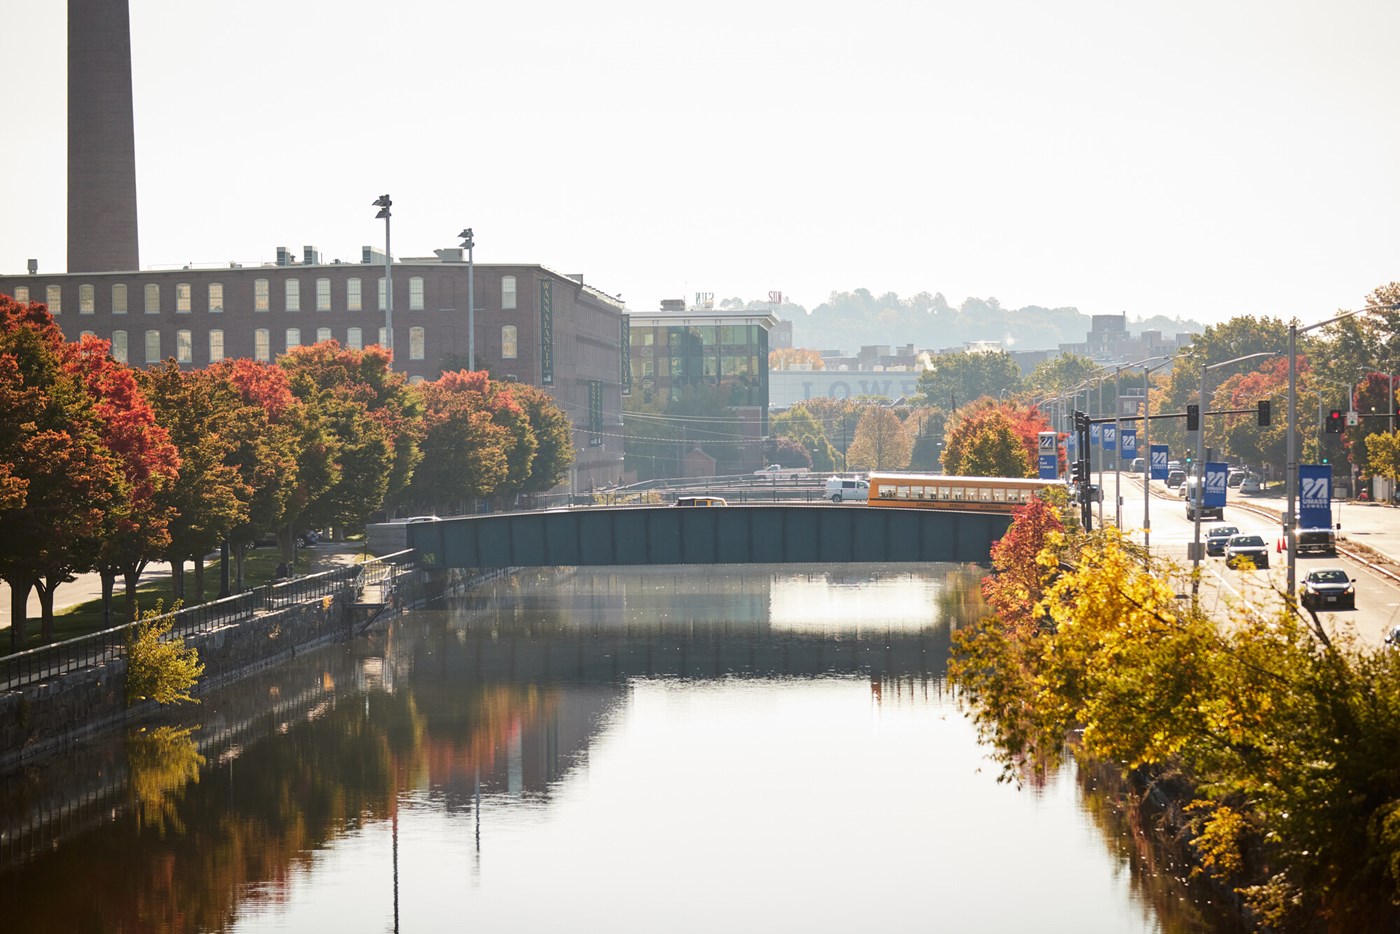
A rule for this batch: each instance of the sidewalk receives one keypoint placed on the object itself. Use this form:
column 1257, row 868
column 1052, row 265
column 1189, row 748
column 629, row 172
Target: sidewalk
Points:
column 88, row 587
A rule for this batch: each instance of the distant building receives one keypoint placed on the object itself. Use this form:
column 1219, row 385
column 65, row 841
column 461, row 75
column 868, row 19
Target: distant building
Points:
column 532, row 324
column 1108, row 341
column 676, row 348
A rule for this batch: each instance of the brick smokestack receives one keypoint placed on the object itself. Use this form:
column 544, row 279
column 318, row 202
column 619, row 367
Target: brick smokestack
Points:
column 101, row 139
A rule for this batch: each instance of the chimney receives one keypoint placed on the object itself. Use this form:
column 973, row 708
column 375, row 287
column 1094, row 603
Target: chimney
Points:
column 101, row 139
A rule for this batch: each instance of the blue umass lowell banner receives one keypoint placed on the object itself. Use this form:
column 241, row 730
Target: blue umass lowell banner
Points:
column 1217, row 472
column 1128, row 447
column 1314, row 496
column 1159, row 461
column 1110, row 437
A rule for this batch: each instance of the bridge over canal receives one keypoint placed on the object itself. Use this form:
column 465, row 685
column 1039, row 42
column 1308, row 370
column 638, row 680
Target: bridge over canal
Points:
column 789, row 533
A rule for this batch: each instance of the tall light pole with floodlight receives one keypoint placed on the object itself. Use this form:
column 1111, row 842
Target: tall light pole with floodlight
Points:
column 468, row 243
column 383, row 202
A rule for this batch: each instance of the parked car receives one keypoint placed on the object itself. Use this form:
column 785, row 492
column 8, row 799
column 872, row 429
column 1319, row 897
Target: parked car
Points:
column 1329, row 587
column 309, row 537
column 1176, row 477
column 1217, row 537
column 1246, row 548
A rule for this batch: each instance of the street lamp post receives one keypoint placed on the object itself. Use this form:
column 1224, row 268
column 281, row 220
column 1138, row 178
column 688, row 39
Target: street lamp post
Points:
column 1200, row 492
column 1147, row 446
column 383, row 202
column 1291, row 465
column 468, row 242
column 1118, row 435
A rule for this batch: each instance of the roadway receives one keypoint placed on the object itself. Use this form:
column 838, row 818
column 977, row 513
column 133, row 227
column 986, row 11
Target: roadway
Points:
column 1375, row 528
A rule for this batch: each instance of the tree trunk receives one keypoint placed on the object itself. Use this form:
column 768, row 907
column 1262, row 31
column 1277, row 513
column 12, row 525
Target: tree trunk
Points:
column 109, row 585
column 177, row 578
column 131, row 579
column 46, row 590
column 19, row 604
column 198, row 580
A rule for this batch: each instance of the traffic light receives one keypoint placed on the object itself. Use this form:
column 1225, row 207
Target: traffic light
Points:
column 1193, row 418
column 1076, row 471
column 1334, row 422
column 1263, row 413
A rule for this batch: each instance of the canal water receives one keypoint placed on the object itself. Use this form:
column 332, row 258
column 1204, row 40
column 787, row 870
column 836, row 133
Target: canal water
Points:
column 633, row 750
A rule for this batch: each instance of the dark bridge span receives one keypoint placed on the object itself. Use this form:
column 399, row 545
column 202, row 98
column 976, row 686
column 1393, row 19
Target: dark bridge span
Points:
column 759, row 534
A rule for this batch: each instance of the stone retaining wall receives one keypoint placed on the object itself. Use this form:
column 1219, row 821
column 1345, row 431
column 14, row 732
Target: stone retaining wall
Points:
column 43, row 717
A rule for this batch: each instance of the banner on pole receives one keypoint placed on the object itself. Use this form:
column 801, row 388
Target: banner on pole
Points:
column 1128, row 447
column 1159, row 461
column 1314, row 496
column 1217, row 472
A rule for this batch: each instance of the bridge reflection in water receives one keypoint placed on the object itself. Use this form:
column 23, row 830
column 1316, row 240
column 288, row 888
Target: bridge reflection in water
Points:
column 657, row 622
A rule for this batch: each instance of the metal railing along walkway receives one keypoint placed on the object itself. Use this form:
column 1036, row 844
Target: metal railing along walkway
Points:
column 82, row 652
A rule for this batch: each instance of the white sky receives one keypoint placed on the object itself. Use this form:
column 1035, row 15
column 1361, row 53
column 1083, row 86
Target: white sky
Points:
column 1202, row 159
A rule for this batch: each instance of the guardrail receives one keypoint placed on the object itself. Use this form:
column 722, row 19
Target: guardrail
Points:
column 48, row 661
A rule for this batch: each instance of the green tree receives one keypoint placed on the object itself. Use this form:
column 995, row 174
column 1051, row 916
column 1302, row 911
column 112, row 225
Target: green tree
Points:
column 553, row 433
column 881, row 442
column 159, row 667
column 1061, row 373
column 199, row 410
column 957, row 379
column 362, row 409
column 838, row 419
column 799, row 425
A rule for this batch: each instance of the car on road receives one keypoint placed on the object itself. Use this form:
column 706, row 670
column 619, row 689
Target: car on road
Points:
column 1092, row 493
column 1315, row 541
column 701, row 501
column 1251, row 485
column 854, row 489
column 779, row 472
column 1250, row 549
column 1176, row 478
column 1328, row 588
column 1217, row 537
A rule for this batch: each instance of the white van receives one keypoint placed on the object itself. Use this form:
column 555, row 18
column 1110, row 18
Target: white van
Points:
column 847, row 488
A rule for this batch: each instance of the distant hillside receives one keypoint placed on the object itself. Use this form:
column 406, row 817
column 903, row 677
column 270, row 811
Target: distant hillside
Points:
column 848, row 321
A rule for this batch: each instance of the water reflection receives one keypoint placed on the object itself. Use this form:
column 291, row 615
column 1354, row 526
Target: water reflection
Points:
column 633, row 750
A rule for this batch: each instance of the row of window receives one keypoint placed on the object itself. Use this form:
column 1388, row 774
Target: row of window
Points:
column 262, row 296
column 262, row 343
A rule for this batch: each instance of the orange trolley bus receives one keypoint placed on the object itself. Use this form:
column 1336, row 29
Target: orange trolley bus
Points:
column 972, row 494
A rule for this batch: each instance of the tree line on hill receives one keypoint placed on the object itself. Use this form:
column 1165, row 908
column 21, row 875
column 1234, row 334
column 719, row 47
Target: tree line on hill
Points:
column 105, row 467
